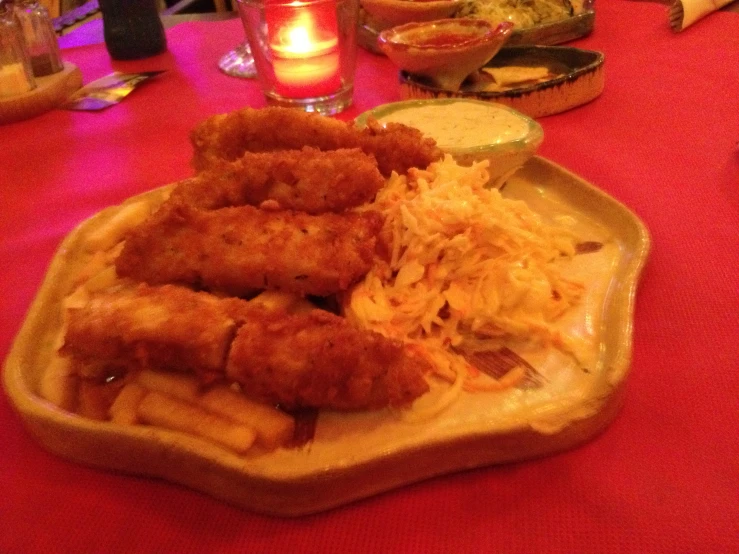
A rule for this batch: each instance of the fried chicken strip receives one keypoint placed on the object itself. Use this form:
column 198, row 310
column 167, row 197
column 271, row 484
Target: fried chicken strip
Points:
column 228, row 136
column 306, row 180
column 328, row 363
column 242, row 249
column 313, row 359
column 398, row 147
column 167, row 327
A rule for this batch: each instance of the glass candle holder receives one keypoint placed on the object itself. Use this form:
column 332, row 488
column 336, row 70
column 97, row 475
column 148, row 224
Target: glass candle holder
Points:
column 304, row 51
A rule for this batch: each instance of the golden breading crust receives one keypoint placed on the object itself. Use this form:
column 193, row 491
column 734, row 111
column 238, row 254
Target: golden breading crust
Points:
column 242, row 249
column 228, row 136
column 145, row 327
column 306, row 180
column 329, row 363
column 313, row 359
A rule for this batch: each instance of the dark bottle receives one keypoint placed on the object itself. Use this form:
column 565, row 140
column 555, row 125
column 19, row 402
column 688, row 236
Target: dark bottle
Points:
column 132, row 29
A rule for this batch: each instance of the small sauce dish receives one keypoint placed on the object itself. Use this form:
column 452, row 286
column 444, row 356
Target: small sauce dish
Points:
column 469, row 130
column 446, row 51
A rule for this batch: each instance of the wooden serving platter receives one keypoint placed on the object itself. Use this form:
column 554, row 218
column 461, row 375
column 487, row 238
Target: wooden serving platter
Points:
column 356, row 455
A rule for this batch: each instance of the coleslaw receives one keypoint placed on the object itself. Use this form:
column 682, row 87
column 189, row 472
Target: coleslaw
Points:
column 466, row 268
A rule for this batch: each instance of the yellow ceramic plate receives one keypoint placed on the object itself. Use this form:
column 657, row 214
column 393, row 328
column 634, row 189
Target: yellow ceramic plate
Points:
column 357, row 455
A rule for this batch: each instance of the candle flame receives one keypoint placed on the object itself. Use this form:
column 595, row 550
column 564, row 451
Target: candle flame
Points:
column 299, row 40
column 302, row 36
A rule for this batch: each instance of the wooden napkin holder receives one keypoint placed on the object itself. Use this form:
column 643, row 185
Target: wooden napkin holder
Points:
column 50, row 92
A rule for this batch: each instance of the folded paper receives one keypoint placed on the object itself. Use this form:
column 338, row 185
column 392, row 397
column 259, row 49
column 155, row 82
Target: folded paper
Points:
column 684, row 13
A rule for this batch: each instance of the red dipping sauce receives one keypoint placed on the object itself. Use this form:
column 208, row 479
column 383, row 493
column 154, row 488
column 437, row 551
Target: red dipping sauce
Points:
column 442, row 39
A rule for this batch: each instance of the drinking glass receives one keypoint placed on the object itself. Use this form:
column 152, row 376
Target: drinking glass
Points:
column 239, row 62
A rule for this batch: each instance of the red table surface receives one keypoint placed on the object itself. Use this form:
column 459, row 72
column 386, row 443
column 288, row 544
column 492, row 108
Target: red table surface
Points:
column 664, row 477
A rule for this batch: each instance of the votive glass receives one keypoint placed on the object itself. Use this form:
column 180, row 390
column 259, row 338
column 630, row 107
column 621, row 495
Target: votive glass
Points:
column 305, row 51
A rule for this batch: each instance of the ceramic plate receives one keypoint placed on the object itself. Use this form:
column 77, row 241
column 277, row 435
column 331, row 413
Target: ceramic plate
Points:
column 575, row 78
column 353, row 456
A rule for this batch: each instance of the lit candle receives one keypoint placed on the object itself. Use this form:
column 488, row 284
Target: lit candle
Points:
column 305, row 47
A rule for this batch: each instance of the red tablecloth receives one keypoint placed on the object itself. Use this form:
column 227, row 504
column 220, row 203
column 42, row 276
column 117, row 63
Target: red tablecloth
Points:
column 664, row 477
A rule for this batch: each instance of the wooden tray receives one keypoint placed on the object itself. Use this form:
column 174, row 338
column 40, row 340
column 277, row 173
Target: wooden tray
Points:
column 579, row 78
column 357, row 455
column 50, row 92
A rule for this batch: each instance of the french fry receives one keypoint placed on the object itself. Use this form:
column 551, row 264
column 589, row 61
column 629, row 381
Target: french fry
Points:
column 96, row 263
column 94, row 399
column 184, row 387
column 115, row 228
column 274, row 428
column 101, row 280
column 123, row 409
column 280, row 300
column 175, row 414
column 59, row 384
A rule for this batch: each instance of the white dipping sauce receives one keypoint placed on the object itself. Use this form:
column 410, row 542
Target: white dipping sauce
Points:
column 462, row 124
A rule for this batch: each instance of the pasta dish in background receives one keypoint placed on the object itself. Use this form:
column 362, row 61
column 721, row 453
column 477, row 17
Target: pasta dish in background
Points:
column 522, row 13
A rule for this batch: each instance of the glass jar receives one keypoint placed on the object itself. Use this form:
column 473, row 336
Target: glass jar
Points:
column 41, row 41
column 16, row 76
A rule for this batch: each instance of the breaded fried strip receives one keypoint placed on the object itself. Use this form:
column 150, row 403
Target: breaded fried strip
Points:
column 238, row 250
column 313, row 359
column 167, row 327
column 306, row 180
column 320, row 360
column 398, row 147
column 228, row 136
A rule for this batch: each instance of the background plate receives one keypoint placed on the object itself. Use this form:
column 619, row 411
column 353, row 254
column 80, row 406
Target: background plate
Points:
column 579, row 78
column 360, row 454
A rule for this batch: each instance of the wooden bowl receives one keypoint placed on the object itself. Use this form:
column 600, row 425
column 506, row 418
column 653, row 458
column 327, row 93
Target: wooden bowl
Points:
column 445, row 51
column 50, row 92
